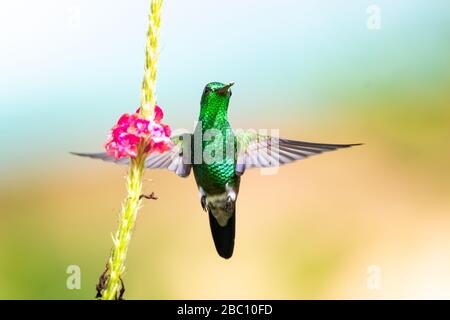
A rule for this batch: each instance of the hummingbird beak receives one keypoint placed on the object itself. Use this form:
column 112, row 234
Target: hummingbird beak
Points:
column 225, row 89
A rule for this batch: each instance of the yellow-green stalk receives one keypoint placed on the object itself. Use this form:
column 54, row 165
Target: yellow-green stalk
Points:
column 148, row 99
column 131, row 205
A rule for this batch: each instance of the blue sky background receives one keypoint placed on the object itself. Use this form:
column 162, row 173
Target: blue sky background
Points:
column 70, row 68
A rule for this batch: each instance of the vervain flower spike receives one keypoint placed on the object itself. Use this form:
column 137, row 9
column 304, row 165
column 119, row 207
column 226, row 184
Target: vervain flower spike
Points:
column 135, row 136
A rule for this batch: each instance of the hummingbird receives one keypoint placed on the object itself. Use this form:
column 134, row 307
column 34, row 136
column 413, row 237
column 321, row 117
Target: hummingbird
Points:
column 217, row 172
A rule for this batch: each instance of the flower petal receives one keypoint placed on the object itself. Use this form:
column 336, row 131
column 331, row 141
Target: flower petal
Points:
column 159, row 114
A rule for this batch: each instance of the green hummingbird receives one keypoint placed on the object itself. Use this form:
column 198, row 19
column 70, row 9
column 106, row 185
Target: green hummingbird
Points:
column 219, row 156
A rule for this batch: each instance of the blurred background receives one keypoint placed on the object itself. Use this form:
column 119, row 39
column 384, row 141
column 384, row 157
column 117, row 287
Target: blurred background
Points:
column 369, row 222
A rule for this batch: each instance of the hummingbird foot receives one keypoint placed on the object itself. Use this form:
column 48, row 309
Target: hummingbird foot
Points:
column 203, row 203
column 230, row 205
column 151, row 196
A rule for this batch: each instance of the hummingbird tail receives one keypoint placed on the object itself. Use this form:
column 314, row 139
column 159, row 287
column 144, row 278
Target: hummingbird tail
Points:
column 223, row 236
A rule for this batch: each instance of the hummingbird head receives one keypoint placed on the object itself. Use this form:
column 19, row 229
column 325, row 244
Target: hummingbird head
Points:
column 216, row 96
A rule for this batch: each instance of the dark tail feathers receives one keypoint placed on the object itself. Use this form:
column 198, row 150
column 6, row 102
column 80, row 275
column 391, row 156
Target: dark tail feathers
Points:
column 223, row 236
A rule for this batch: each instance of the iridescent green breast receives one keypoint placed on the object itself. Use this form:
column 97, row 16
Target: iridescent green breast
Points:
column 217, row 170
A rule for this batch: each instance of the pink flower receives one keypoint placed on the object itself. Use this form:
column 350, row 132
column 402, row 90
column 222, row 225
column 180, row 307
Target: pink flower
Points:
column 167, row 130
column 124, row 120
column 116, row 131
column 131, row 130
column 160, row 138
column 140, row 127
column 122, row 146
column 159, row 114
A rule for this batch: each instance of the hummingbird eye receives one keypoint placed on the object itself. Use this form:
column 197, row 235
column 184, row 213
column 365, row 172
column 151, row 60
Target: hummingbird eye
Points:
column 207, row 90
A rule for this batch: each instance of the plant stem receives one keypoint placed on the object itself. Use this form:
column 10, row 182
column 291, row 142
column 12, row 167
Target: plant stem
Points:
column 148, row 99
column 130, row 207
column 113, row 289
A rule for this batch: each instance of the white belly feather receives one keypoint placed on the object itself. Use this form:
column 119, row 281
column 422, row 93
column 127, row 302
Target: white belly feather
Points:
column 217, row 204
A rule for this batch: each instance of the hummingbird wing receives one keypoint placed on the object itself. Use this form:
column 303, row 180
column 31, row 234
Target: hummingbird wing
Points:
column 262, row 151
column 171, row 159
